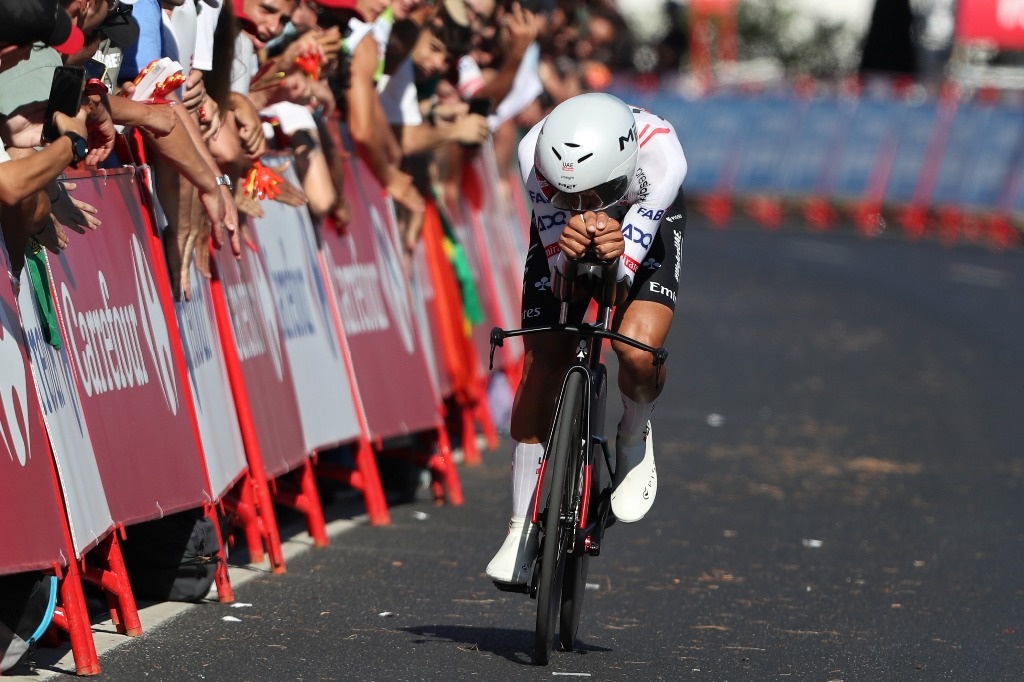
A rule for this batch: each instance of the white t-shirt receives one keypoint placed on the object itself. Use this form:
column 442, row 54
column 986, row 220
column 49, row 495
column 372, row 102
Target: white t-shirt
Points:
column 205, row 28
column 398, row 95
column 660, row 170
column 526, row 85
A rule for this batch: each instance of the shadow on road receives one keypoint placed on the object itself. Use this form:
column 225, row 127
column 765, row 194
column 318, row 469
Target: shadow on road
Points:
column 514, row 645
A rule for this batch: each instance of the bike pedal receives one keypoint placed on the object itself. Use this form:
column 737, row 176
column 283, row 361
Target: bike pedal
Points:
column 510, row 587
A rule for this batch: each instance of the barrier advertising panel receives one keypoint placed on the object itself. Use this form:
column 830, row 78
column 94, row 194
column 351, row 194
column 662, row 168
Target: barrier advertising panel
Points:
column 211, row 392
column 868, row 134
column 88, row 514
column 767, row 143
column 916, row 132
column 712, row 146
column 960, row 148
column 288, row 247
column 808, row 169
column 30, row 534
column 113, row 303
column 370, row 284
column 255, row 336
column 996, row 150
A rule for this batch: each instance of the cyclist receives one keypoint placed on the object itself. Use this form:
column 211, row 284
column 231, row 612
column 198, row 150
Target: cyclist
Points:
column 607, row 177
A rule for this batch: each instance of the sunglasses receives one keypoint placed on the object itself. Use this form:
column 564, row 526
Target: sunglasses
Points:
column 118, row 14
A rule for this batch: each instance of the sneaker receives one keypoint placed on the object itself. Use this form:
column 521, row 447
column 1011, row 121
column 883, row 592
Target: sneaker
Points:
column 636, row 479
column 513, row 561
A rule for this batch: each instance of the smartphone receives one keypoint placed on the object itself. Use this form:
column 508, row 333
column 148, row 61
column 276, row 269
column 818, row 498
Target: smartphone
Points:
column 480, row 105
column 65, row 97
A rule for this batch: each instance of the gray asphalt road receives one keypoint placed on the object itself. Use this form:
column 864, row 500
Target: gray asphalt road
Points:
column 841, row 456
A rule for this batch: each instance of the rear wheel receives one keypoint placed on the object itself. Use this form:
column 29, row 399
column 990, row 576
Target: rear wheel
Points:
column 558, row 525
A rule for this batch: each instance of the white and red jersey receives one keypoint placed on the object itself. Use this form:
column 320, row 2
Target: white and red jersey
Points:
column 660, row 170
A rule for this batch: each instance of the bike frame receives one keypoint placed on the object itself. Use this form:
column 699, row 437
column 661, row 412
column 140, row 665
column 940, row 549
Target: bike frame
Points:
column 590, row 338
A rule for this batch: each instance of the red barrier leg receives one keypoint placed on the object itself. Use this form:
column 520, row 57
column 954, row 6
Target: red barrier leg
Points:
column 72, row 616
column 445, row 476
column 364, row 477
column 225, row 594
column 470, row 451
column 485, row 418
column 306, row 500
column 112, row 578
column 259, row 502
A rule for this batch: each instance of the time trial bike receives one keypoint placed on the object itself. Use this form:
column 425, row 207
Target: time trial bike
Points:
column 570, row 507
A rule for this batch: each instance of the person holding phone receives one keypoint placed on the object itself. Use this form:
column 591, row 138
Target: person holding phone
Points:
column 26, row 176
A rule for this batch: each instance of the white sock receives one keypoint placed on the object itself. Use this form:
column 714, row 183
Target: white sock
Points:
column 634, row 419
column 526, row 458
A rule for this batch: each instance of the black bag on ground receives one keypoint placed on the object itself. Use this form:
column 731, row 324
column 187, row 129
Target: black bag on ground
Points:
column 27, row 602
column 173, row 558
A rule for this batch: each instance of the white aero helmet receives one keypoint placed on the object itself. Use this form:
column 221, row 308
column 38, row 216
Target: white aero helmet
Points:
column 586, row 152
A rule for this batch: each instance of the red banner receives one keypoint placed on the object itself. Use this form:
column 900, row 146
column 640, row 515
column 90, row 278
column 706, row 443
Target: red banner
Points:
column 1000, row 22
column 376, row 309
column 256, row 337
column 31, row 512
column 113, row 301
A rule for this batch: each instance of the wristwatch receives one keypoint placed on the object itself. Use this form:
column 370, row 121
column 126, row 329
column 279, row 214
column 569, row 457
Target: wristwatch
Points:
column 79, row 147
column 225, row 180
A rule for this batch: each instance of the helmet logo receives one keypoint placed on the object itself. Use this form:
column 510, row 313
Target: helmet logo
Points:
column 629, row 137
column 567, row 167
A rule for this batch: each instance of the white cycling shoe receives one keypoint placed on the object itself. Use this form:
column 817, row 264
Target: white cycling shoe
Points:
column 513, row 561
column 636, row 479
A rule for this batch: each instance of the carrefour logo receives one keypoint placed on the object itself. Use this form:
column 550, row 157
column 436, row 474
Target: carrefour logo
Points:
column 393, row 284
column 107, row 342
column 13, row 393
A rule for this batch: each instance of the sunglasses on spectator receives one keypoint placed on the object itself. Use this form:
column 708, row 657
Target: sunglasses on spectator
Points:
column 118, row 14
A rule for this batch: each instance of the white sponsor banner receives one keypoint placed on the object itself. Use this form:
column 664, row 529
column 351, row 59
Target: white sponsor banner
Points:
column 211, row 391
column 288, row 246
column 89, row 515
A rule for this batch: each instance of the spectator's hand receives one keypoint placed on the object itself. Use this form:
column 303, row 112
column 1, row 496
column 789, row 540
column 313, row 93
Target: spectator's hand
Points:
column 24, row 127
column 295, row 87
column 193, row 94
column 216, row 213
column 472, row 129
column 322, row 96
column 231, row 220
column 247, row 203
column 519, row 28
column 250, row 127
column 402, row 190
column 290, row 195
column 74, row 124
column 52, row 236
column 449, row 111
column 72, row 212
column 101, row 131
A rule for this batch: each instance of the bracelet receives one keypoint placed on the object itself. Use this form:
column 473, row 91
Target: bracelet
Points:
column 225, row 180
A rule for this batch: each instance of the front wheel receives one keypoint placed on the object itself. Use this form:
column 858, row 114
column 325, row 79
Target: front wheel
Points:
column 558, row 524
column 574, row 581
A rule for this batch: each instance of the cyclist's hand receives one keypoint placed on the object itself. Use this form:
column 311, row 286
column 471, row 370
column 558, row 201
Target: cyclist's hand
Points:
column 608, row 241
column 576, row 236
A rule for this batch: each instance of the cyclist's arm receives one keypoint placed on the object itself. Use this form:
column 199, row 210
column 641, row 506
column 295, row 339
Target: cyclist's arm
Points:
column 662, row 170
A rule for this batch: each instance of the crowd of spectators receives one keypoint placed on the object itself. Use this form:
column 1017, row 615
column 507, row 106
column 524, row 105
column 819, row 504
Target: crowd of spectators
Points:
column 412, row 87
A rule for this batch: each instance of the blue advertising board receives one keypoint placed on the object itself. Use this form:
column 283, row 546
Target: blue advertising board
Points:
column 868, row 133
column 916, row 132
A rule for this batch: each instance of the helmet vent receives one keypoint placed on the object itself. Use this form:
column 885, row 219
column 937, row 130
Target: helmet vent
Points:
column 584, row 157
column 555, row 152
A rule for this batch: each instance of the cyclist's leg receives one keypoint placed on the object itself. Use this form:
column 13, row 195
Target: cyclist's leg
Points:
column 647, row 317
column 545, row 358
